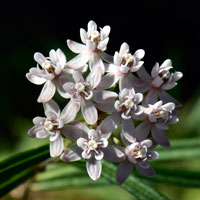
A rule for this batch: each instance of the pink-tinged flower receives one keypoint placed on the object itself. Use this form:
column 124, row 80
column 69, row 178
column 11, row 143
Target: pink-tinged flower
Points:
column 138, row 154
column 121, row 70
column 82, row 92
column 160, row 80
column 52, row 125
column 126, row 109
column 92, row 50
column 47, row 71
column 92, row 146
column 157, row 118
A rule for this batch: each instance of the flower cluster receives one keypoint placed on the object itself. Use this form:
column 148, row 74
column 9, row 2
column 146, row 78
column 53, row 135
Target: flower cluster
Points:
column 89, row 83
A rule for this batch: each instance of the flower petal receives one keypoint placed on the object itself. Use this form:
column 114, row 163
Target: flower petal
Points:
column 94, row 77
column 92, row 26
column 103, row 96
column 108, row 107
column 123, row 171
column 39, row 58
column 78, row 61
column 51, row 107
column 126, row 82
column 114, row 153
column 69, row 112
column 47, row 92
column 151, row 97
column 142, row 130
column 75, row 46
column 160, row 137
column 81, row 142
column 105, row 31
column 106, row 57
column 124, row 49
column 38, row 120
column 78, row 77
column 73, row 133
column 99, row 155
column 81, row 126
column 103, row 44
column 94, row 168
column 143, row 74
column 153, row 155
column 148, row 143
column 89, row 112
column 109, row 124
column 33, row 131
column 35, row 79
column 127, row 130
column 83, row 35
column 56, row 147
column 149, row 172
column 139, row 54
column 42, row 133
column 86, row 155
column 72, row 154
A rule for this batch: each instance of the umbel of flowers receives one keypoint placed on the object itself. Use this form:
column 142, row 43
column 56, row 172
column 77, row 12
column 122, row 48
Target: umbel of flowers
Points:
column 142, row 97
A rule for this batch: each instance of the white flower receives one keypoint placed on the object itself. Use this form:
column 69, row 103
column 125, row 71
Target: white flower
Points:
column 160, row 80
column 138, row 153
column 82, row 92
column 157, row 119
column 92, row 49
column 53, row 125
column 47, row 71
column 121, row 70
column 92, row 146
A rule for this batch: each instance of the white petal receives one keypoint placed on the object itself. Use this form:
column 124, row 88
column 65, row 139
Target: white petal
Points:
column 76, row 47
column 143, row 74
column 81, row 142
column 61, row 57
column 99, row 156
column 55, row 136
column 94, row 77
column 38, row 120
column 57, row 147
column 53, row 56
column 126, row 82
column 77, row 76
column 142, row 131
column 103, row 44
column 39, row 58
column 78, row 61
column 103, row 96
column 72, row 154
column 69, row 112
column 124, row 93
column 35, row 79
column 51, row 106
column 92, row 26
column 138, row 98
column 81, row 126
column 155, row 70
column 124, row 49
column 47, row 92
column 147, row 143
column 151, row 97
column 90, row 46
column 42, row 133
column 124, row 69
column 92, row 133
column 107, row 108
column 106, row 57
column 177, row 76
column 104, row 142
column 94, row 168
column 83, row 35
column 117, row 59
column 166, row 63
column 169, row 106
column 89, row 112
column 105, row 31
column 139, row 54
column 86, row 155
column 128, row 130
column 153, row 155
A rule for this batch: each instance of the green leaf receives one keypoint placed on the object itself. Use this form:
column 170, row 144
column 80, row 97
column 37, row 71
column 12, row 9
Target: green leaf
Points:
column 178, row 177
column 180, row 149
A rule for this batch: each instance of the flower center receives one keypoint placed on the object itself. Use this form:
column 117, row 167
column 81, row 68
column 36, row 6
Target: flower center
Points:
column 162, row 115
column 92, row 144
column 139, row 153
column 127, row 60
column 129, row 103
column 46, row 65
column 94, row 36
column 49, row 126
column 80, row 87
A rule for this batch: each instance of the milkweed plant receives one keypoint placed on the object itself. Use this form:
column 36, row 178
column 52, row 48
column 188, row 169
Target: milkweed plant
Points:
column 111, row 92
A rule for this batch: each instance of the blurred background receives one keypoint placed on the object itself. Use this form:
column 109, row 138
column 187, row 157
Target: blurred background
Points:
column 163, row 29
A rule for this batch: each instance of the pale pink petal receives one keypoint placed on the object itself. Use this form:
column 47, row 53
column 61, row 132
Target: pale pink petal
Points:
column 33, row 131
column 160, row 137
column 72, row 154
column 123, row 171
column 57, row 147
column 81, row 142
column 75, row 46
column 148, row 143
column 105, row 31
column 38, row 120
column 81, row 126
column 53, row 56
column 51, row 106
column 114, row 153
column 89, row 112
column 92, row 26
column 108, row 81
column 142, row 130
column 69, row 112
column 117, row 59
column 73, row 133
column 106, row 57
column 149, row 172
column 168, row 86
column 124, row 69
column 94, row 77
column 67, row 87
column 165, row 97
column 61, row 57
column 139, row 54
column 94, row 168
column 35, row 79
column 90, row 46
column 104, row 141
column 151, row 97
column 127, row 130
column 153, row 155
column 39, row 58
column 166, row 63
column 135, row 68
column 78, row 61
column 103, row 44
column 47, row 92
column 55, row 136
column 143, row 74
column 99, row 155
column 108, row 107
column 83, row 35
column 155, row 70
column 124, row 49
column 177, row 76
column 126, row 81
column 109, row 124
column 123, row 94
column 103, row 96
column 92, row 133
column 86, row 155
column 78, row 77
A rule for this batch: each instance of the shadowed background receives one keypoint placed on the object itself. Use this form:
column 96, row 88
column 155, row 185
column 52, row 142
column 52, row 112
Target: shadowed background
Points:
column 163, row 29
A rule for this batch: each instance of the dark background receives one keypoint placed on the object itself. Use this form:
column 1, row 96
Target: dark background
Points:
column 163, row 29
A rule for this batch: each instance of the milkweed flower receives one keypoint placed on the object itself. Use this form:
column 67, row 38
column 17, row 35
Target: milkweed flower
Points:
column 92, row 50
column 160, row 80
column 121, row 69
column 52, row 125
column 47, row 71
column 92, row 146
